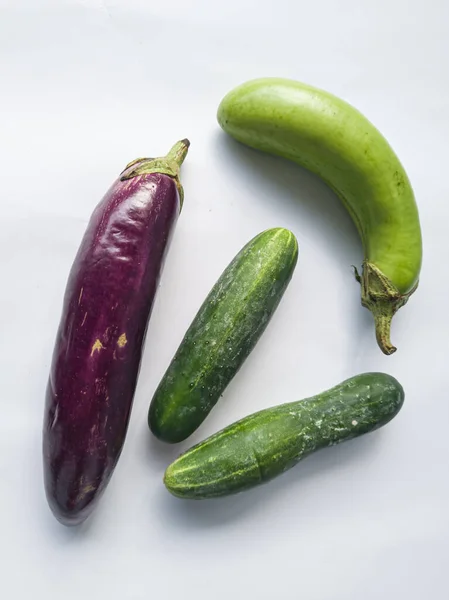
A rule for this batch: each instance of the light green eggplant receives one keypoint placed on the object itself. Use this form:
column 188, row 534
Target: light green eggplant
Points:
column 332, row 139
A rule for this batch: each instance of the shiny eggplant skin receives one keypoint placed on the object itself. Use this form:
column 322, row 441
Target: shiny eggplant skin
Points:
column 107, row 305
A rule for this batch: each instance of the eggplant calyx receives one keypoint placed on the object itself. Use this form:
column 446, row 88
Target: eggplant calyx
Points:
column 383, row 299
column 167, row 165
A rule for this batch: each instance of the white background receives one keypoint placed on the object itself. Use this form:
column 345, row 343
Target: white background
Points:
column 86, row 86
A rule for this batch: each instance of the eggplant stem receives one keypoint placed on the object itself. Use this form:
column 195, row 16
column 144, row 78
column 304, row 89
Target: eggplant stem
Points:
column 383, row 299
column 383, row 328
column 167, row 165
column 178, row 153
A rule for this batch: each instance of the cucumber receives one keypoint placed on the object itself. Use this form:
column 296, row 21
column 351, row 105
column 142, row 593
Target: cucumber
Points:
column 263, row 445
column 223, row 333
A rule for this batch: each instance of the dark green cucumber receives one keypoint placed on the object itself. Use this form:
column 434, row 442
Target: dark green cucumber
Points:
column 223, row 333
column 271, row 441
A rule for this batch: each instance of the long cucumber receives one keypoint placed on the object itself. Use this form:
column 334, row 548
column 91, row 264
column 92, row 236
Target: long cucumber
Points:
column 263, row 445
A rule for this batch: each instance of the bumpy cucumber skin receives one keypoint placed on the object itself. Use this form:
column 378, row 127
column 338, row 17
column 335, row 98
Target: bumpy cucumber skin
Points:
column 335, row 141
column 263, row 445
column 223, row 333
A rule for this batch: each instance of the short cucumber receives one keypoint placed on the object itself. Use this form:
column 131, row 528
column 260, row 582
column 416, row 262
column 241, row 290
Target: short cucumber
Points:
column 271, row 441
column 223, row 333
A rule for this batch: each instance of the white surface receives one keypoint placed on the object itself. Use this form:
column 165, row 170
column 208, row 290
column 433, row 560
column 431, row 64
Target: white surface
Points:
column 86, row 87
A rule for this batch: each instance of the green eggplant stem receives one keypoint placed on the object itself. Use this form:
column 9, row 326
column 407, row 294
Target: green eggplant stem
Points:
column 383, row 326
column 383, row 299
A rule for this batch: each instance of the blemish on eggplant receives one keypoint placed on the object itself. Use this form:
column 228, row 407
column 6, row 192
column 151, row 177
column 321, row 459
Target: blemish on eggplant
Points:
column 97, row 346
column 122, row 341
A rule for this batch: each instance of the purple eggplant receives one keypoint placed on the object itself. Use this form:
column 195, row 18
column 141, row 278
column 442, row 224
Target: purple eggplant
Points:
column 98, row 349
